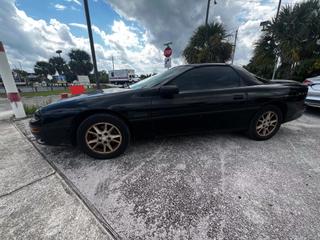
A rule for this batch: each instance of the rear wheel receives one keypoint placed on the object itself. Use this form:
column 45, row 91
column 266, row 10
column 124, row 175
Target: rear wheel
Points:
column 265, row 124
column 103, row 136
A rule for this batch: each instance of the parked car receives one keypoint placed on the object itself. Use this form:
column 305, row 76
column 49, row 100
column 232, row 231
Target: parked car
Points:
column 188, row 98
column 313, row 97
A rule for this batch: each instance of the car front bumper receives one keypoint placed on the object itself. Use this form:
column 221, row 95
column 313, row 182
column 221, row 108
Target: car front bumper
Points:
column 313, row 102
column 36, row 128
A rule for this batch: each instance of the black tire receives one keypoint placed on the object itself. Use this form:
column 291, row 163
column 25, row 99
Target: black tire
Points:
column 99, row 120
column 253, row 131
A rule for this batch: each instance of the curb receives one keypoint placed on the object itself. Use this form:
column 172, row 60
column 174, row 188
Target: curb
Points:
column 105, row 225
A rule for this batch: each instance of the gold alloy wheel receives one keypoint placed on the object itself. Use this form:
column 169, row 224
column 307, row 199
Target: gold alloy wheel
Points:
column 267, row 123
column 103, row 138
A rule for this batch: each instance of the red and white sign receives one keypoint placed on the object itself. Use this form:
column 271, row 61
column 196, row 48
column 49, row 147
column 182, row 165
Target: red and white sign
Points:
column 167, row 52
column 10, row 85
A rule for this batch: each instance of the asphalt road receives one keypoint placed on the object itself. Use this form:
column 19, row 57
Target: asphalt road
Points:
column 212, row 186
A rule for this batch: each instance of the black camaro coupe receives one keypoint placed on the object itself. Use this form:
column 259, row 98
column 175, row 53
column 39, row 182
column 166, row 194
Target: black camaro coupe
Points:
column 184, row 99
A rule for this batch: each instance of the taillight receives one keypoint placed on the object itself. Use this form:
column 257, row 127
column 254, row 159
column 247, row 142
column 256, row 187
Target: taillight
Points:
column 307, row 82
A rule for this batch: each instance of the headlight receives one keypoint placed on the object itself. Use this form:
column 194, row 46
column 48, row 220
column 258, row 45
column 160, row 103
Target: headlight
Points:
column 37, row 114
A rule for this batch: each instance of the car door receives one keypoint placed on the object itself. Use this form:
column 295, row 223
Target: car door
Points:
column 210, row 97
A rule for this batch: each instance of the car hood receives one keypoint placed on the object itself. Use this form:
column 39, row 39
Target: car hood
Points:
column 97, row 93
column 76, row 101
column 115, row 90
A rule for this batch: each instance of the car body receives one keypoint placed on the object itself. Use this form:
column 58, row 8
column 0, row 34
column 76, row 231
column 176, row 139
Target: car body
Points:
column 188, row 98
column 313, row 97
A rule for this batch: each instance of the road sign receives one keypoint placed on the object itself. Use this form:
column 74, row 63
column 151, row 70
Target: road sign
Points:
column 167, row 62
column 167, row 52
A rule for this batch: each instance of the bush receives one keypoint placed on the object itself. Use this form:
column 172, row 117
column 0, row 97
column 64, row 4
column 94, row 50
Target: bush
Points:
column 30, row 109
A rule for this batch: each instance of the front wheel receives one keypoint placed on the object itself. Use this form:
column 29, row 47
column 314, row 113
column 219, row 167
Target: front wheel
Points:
column 103, row 136
column 265, row 124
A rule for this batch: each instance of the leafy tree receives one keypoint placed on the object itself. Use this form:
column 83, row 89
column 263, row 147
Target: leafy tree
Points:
column 44, row 68
column 103, row 77
column 22, row 74
column 80, row 62
column 70, row 76
column 59, row 64
column 144, row 76
column 208, row 44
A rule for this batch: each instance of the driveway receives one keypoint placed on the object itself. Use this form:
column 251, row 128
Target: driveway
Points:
column 212, row 186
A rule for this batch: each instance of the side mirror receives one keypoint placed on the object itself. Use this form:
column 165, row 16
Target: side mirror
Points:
column 168, row 91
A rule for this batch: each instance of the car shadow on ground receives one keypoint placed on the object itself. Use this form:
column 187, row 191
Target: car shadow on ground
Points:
column 313, row 111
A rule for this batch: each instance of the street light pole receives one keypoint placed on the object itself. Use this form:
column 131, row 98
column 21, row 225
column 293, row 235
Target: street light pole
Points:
column 112, row 63
column 208, row 7
column 207, row 15
column 86, row 10
column 234, row 45
column 276, row 59
column 59, row 53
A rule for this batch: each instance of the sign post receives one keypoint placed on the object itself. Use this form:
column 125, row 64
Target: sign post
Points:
column 167, row 53
column 10, row 85
column 167, row 62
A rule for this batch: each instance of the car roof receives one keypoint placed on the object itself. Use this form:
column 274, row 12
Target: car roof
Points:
column 206, row 64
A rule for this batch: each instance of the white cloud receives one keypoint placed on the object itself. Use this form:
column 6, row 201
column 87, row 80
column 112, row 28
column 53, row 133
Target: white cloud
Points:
column 128, row 50
column 161, row 21
column 74, row 1
column 60, row 7
column 41, row 39
column 169, row 20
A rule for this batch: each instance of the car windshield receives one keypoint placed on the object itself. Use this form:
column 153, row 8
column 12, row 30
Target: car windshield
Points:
column 157, row 79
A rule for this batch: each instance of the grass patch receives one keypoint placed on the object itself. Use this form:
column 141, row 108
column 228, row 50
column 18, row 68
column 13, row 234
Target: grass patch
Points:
column 36, row 94
column 43, row 93
column 30, row 109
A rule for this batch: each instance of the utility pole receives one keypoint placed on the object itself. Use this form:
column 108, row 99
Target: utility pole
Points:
column 112, row 63
column 207, row 15
column 234, row 45
column 276, row 59
column 208, row 7
column 86, row 10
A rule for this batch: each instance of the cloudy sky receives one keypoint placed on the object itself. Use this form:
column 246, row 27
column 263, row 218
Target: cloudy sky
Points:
column 133, row 31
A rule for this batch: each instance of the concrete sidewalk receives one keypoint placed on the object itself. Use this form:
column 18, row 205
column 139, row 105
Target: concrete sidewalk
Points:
column 35, row 202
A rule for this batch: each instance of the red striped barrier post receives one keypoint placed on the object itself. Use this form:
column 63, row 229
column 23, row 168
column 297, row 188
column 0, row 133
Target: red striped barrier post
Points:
column 10, row 85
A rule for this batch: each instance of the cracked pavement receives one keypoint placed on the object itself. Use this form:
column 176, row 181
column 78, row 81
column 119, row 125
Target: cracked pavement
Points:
column 209, row 186
column 35, row 203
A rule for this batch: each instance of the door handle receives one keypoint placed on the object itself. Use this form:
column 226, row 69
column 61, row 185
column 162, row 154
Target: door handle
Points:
column 238, row 97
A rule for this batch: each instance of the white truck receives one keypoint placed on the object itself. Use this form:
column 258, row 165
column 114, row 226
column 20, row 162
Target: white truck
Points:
column 122, row 76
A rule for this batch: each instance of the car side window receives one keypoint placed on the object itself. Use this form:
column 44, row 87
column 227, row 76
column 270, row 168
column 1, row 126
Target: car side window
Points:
column 207, row 78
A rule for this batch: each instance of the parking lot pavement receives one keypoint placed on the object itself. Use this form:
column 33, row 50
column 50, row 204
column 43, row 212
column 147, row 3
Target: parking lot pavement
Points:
column 35, row 203
column 212, row 186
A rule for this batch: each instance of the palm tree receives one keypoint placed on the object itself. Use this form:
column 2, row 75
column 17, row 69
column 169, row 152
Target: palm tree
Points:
column 296, row 33
column 263, row 59
column 208, row 44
